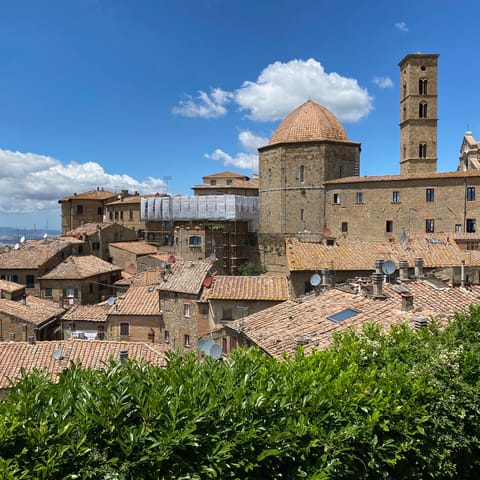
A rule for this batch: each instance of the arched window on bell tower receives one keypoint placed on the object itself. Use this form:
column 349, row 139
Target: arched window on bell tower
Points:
column 422, row 110
column 422, row 86
column 422, row 150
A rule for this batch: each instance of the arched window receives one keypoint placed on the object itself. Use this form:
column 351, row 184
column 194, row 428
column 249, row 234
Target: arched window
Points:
column 405, row 89
column 422, row 110
column 302, row 173
column 422, row 150
column 422, row 86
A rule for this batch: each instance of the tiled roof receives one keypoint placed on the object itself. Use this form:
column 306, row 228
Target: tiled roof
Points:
column 98, row 194
column 226, row 174
column 245, row 184
column 139, row 299
column 309, row 122
column 34, row 253
column 410, row 176
column 35, row 310
column 130, row 200
column 10, row 287
column 93, row 354
column 186, row 277
column 77, row 267
column 250, row 288
column 279, row 329
column 138, row 248
column 164, row 257
column 89, row 228
column 354, row 256
column 90, row 313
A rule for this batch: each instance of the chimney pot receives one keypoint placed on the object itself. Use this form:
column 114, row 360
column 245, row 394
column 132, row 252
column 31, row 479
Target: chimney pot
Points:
column 31, row 340
column 419, row 268
column 407, row 302
column 123, row 356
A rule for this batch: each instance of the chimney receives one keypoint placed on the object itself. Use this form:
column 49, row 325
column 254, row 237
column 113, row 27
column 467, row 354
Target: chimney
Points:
column 377, row 279
column 419, row 268
column 420, row 322
column 407, row 302
column 378, row 266
column 403, row 266
column 123, row 356
column 326, row 278
column 11, row 337
column 31, row 340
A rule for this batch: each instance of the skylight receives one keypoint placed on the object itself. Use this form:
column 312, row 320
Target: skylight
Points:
column 343, row 315
column 435, row 240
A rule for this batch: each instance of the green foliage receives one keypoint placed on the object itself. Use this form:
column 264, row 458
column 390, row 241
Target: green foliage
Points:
column 250, row 269
column 375, row 406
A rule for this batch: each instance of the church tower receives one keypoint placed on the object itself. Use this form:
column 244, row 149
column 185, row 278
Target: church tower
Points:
column 418, row 113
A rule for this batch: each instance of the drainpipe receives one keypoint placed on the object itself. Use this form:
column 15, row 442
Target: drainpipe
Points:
column 462, row 274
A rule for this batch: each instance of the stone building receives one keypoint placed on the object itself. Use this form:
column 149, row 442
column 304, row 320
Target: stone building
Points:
column 469, row 153
column 310, row 184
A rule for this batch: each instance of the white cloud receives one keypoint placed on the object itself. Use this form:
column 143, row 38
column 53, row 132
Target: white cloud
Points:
column 280, row 88
column 383, row 82
column 205, row 105
column 402, row 26
column 32, row 183
column 246, row 160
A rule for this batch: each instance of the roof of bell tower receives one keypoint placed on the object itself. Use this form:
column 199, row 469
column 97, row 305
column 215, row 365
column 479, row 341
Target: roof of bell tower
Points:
column 309, row 122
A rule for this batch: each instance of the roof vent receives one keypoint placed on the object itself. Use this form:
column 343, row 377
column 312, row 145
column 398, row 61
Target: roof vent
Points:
column 123, row 356
column 420, row 322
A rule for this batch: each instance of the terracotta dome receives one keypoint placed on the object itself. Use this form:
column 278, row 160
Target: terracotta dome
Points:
column 309, row 122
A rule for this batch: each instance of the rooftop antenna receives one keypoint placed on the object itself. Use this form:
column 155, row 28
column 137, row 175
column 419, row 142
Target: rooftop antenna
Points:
column 166, row 179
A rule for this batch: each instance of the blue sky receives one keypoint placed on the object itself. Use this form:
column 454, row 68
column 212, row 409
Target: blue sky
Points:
column 151, row 95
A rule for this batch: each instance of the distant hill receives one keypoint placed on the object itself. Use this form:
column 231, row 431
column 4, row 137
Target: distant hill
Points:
column 10, row 235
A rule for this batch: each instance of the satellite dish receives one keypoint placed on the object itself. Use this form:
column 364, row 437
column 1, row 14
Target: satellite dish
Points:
column 111, row 301
column 215, row 351
column 315, row 280
column 22, row 238
column 201, row 343
column 326, row 232
column 57, row 354
column 17, row 246
column 388, row 267
column 204, row 345
column 45, row 235
column 212, row 257
column 114, row 261
column 162, row 265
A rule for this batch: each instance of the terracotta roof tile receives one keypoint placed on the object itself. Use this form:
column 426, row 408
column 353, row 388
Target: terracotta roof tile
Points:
column 186, row 277
column 250, row 288
column 93, row 354
column 77, row 267
column 138, row 248
column 99, row 194
column 226, row 174
column 89, row 313
column 437, row 250
column 34, row 253
column 279, row 329
column 35, row 310
column 10, row 287
column 309, row 122
column 139, row 299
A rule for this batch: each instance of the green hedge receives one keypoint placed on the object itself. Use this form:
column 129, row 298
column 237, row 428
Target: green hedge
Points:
column 402, row 405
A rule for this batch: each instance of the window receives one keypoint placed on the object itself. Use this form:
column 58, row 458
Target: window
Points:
column 336, row 198
column 204, row 310
column 213, row 182
column 302, row 173
column 471, row 225
column 229, row 181
column 124, row 329
column 116, row 215
column 79, row 209
column 404, row 151
column 195, row 241
column 95, row 245
column 404, row 89
column 389, row 226
column 186, row 340
column 121, row 215
column 359, row 197
column 422, row 150
column 458, row 228
column 166, row 336
column 396, row 197
column 422, row 110
column 130, row 214
column 48, row 293
column 343, row 315
column 429, row 225
column 344, row 227
column 302, row 214
column 110, row 215
column 99, row 211
column 186, row 309
column 422, row 86
column 227, row 314
column 470, row 194
column 30, row 281
column 233, row 343
column 224, row 345
column 429, row 194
